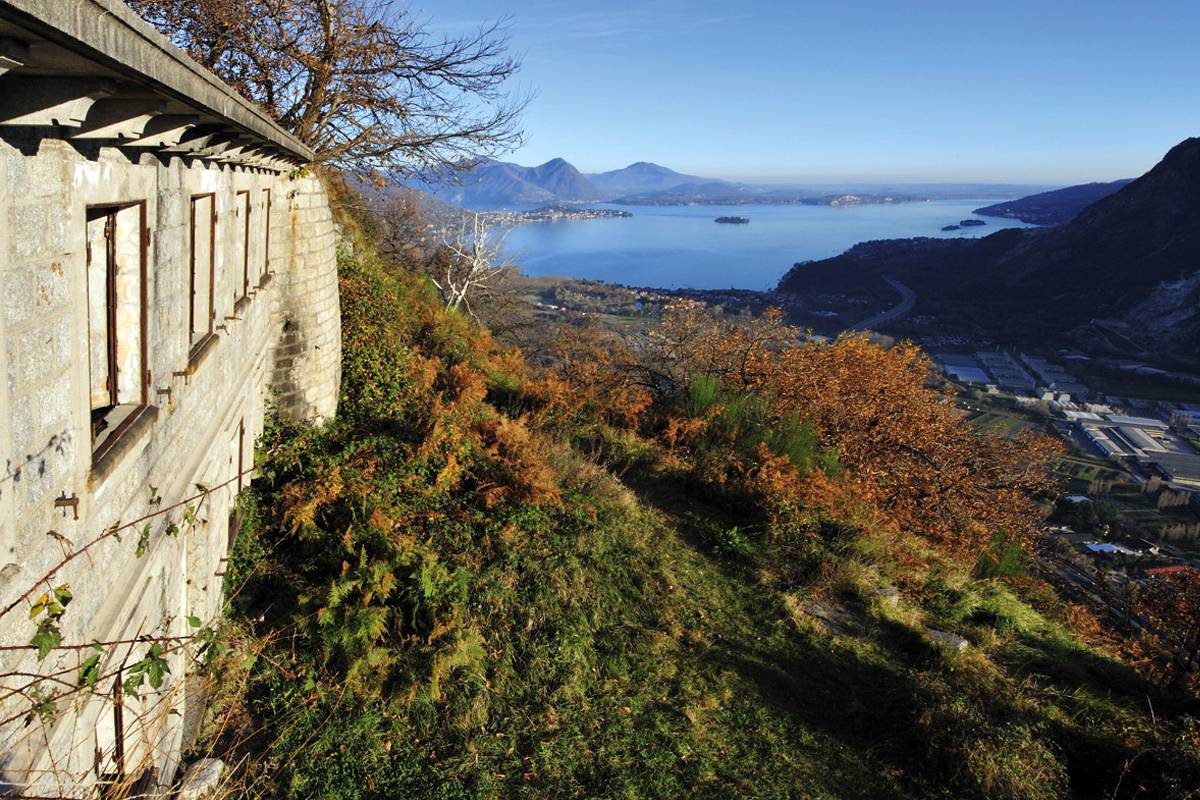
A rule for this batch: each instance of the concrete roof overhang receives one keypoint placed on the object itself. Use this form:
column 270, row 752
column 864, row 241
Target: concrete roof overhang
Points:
column 97, row 71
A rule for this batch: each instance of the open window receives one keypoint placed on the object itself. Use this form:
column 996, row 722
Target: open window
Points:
column 241, row 287
column 201, row 313
column 116, row 288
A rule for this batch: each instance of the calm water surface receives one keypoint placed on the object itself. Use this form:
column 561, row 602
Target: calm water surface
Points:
column 679, row 246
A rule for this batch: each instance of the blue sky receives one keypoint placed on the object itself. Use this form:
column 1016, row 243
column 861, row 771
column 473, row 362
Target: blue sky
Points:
column 1055, row 91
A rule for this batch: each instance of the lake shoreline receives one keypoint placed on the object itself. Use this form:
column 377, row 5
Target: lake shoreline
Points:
column 679, row 247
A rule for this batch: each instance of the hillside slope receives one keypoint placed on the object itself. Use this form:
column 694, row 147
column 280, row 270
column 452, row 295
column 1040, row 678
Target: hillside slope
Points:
column 482, row 580
column 1055, row 207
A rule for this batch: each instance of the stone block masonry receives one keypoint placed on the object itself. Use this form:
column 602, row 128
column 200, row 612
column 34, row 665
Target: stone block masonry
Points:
column 306, row 377
column 279, row 344
column 155, row 304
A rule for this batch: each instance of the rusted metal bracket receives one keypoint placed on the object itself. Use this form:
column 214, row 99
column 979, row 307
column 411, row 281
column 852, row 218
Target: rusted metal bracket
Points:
column 65, row 502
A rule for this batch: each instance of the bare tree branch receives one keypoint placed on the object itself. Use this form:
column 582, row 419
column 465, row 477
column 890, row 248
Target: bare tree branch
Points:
column 475, row 262
column 362, row 82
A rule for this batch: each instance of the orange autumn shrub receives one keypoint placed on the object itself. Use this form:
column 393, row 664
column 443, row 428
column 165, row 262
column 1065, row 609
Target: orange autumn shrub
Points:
column 896, row 445
column 599, row 372
column 1169, row 606
column 910, row 450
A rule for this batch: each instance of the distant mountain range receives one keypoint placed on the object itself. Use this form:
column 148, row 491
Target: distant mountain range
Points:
column 497, row 183
column 1124, row 273
column 1052, row 208
column 491, row 184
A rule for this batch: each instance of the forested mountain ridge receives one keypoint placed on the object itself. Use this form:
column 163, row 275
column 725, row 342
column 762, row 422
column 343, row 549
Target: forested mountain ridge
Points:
column 1136, row 246
column 1054, row 207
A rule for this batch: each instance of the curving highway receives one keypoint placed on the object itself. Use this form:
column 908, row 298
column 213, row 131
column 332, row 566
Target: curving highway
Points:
column 907, row 299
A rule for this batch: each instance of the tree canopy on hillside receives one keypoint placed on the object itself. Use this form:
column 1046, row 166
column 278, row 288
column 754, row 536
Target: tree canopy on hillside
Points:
column 364, row 83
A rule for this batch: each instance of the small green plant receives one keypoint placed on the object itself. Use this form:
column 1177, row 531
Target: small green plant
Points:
column 793, row 437
column 1003, row 559
column 703, row 393
column 152, row 668
column 50, row 606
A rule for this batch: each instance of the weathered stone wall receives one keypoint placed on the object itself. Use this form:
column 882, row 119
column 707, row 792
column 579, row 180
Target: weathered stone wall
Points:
column 308, row 364
column 202, row 414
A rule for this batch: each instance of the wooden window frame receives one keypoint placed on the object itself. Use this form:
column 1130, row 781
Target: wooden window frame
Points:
column 241, row 452
column 132, row 416
column 265, row 277
column 242, row 295
column 200, row 347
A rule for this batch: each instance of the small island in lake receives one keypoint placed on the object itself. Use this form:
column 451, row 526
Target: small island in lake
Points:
column 951, row 227
column 733, row 220
column 970, row 222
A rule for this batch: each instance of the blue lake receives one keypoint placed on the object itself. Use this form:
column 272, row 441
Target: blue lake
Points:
column 677, row 246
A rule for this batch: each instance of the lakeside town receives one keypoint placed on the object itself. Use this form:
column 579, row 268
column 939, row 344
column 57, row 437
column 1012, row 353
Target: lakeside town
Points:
column 556, row 213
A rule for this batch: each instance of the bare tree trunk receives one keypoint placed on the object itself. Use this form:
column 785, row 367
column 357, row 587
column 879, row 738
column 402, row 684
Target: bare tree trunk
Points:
column 475, row 264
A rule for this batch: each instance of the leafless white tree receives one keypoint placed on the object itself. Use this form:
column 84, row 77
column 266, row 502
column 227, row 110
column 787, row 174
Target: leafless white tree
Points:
column 475, row 262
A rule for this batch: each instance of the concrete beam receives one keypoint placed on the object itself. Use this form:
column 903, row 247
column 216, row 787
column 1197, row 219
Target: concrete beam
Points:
column 273, row 162
column 50, row 99
column 13, row 54
column 119, row 119
column 243, row 151
column 224, row 148
column 111, row 34
column 166, row 130
column 252, row 155
column 200, row 137
column 272, row 158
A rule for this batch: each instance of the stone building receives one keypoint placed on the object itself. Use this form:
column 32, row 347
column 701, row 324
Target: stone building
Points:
column 167, row 269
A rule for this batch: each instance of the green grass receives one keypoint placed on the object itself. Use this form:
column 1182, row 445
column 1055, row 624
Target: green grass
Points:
column 1005, row 422
column 1087, row 469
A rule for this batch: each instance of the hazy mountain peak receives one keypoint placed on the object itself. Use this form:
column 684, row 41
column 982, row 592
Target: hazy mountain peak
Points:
column 486, row 182
column 641, row 177
column 650, row 166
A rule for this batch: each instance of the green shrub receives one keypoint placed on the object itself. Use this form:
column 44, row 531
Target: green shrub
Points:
column 1003, row 559
column 703, row 393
